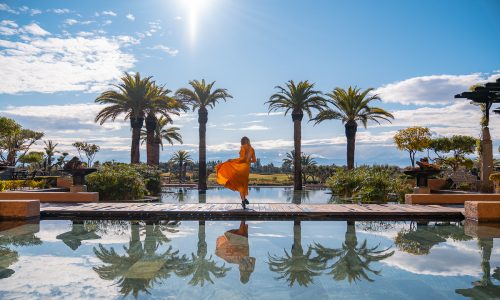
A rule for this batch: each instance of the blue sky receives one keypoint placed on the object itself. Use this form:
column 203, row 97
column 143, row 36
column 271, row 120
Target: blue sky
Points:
column 56, row 56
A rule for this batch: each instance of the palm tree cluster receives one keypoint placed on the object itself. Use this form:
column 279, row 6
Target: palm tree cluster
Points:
column 351, row 106
column 142, row 101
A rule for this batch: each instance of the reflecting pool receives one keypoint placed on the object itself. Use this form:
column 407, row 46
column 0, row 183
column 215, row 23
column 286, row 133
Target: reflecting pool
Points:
column 256, row 195
column 248, row 260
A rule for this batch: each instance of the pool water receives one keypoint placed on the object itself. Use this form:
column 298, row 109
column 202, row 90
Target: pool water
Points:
column 267, row 260
column 256, row 195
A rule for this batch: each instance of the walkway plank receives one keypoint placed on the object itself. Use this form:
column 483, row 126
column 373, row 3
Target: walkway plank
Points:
column 255, row 211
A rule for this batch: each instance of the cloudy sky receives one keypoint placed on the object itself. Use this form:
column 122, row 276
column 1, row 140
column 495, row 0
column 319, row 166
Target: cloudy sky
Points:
column 57, row 56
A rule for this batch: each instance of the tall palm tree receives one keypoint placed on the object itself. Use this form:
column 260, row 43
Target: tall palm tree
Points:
column 200, row 266
column 201, row 97
column 352, row 106
column 296, row 266
column 353, row 259
column 297, row 98
column 161, row 132
column 182, row 158
column 135, row 98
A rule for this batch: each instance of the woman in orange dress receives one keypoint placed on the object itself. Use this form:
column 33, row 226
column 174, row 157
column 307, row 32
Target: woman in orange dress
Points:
column 233, row 174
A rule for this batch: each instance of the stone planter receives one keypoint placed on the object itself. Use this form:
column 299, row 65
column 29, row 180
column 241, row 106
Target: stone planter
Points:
column 436, row 184
column 64, row 182
column 496, row 186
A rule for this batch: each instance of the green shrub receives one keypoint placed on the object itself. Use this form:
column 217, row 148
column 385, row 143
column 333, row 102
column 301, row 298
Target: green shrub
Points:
column 13, row 185
column 369, row 184
column 117, row 182
column 151, row 177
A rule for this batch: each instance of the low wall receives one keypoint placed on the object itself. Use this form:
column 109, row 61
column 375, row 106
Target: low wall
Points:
column 19, row 209
column 482, row 211
column 448, row 198
column 51, row 197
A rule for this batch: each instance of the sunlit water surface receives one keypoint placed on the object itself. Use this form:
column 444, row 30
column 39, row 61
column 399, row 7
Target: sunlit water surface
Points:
column 276, row 260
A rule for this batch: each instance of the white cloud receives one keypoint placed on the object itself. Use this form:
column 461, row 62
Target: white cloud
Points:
column 263, row 114
column 107, row 22
column 430, row 90
column 5, row 7
column 178, row 18
column 35, row 12
column 70, row 22
column 168, row 50
column 109, row 13
column 130, row 17
column 8, row 27
column 61, row 64
column 60, row 11
column 35, row 29
column 255, row 127
column 85, row 33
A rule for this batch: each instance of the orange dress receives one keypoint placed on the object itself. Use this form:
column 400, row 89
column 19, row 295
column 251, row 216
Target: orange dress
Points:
column 233, row 174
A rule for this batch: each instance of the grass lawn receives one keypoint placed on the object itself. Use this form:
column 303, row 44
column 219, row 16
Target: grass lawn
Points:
column 255, row 179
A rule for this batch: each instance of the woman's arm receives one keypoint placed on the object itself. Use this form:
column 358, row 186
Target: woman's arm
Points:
column 253, row 159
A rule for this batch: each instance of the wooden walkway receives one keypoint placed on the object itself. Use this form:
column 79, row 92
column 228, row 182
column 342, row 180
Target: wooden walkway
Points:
column 256, row 211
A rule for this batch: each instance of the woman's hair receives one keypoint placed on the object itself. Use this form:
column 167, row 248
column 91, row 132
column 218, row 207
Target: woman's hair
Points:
column 245, row 140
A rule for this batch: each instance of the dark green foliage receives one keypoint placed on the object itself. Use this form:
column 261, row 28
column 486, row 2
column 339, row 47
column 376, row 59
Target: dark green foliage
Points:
column 370, row 184
column 151, row 177
column 117, row 182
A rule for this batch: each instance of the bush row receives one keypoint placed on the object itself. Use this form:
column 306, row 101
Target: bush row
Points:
column 118, row 181
column 21, row 184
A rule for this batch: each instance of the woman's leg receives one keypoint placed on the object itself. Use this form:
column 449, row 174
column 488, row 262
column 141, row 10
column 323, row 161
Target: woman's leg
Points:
column 242, row 196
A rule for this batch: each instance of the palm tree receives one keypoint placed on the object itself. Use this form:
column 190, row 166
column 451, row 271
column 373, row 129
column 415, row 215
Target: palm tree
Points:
column 200, row 98
column 161, row 132
column 298, row 98
column 306, row 162
column 141, row 266
column 182, row 158
column 352, row 106
column 136, row 97
column 296, row 266
column 199, row 266
column 353, row 259
column 50, row 151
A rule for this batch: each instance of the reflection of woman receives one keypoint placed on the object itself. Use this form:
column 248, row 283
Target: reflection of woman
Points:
column 233, row 174
column 233, row 247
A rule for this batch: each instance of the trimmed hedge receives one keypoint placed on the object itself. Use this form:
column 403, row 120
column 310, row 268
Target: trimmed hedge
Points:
column 21, row 184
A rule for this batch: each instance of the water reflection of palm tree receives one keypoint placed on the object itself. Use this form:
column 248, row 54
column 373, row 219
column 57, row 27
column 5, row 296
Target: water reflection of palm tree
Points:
column 199, row 266
column 484, row 288
column 15, row 235
column 421, row 238
column 78, row 233
column 141, row 266
column 353, row 259
column 296, row 266
column 297, row 197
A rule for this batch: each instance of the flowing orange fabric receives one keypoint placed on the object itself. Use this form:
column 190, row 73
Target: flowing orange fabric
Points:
column 233, row 174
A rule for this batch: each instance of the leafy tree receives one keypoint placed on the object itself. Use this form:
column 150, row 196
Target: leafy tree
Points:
column 352, row 106
column 200, row 97
column 181, row 158
column 161, row 133
column 89, row 150
column 297, row 98
column 296, row 266
column 353, row 259
column 413, row 140
column 32, row 158
column 15, row 141
column 458, row 145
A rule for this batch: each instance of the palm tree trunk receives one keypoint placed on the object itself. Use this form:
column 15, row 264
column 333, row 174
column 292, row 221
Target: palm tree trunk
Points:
column 350, row 132
column 150, row 131
column 297, row 140
column 135, row 154
column 297, row 237
column 156, row 150
column 202, row 161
